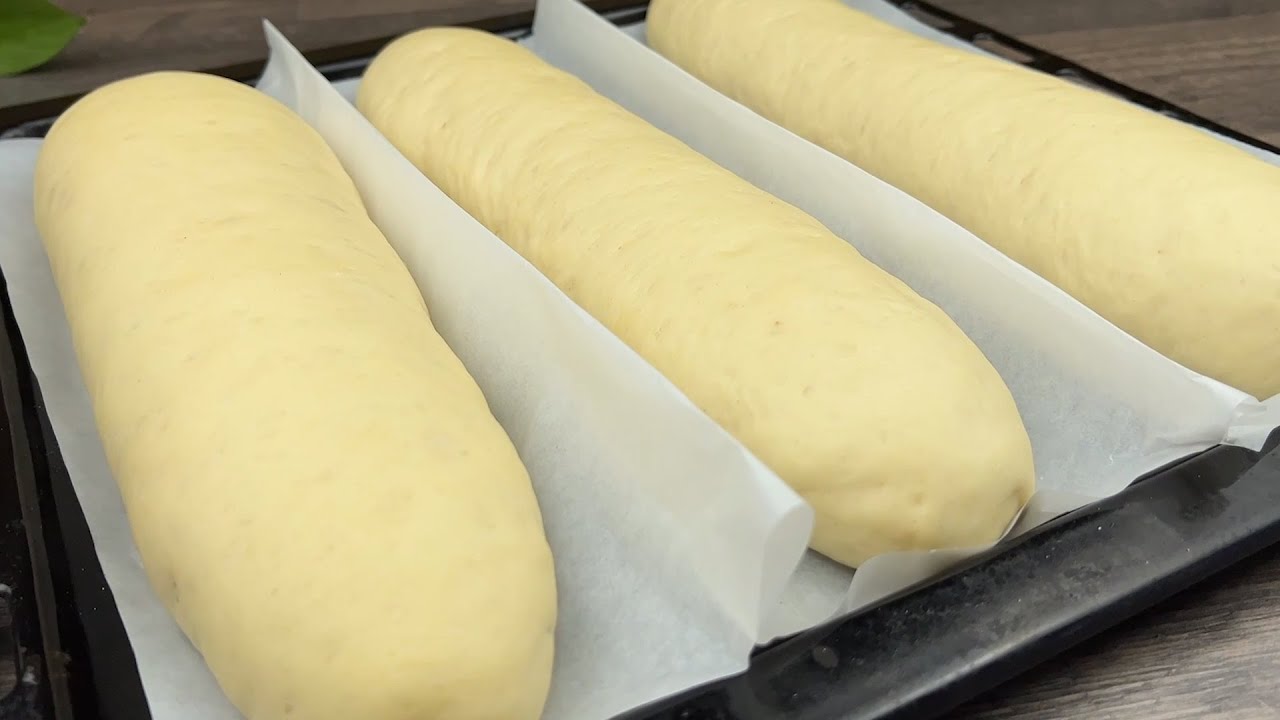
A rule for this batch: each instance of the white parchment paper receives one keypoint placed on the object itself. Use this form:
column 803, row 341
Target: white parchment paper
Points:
column 675, row 549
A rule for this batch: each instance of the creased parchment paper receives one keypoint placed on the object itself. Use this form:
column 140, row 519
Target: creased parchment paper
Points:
column 641, row 615
column 1101, row 408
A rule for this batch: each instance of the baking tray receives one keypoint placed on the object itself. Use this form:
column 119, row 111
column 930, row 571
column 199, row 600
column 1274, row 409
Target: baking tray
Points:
column 914, row 655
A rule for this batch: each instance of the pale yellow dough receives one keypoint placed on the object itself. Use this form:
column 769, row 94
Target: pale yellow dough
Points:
column 317, row 488
column 866, row 398
column 1167, row 232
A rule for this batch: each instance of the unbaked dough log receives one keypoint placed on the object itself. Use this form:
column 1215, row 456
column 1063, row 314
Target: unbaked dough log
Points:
column 1160, row 228
column 317, row 488
column 866, row 398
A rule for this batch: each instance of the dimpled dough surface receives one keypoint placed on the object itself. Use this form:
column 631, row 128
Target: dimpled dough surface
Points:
column 866, row 398
column 316, row 486
column 1157, row 226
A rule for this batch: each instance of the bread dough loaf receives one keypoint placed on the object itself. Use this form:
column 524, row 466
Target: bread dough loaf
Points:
column 1162, row 229
column 317, row 488
column 863, row 396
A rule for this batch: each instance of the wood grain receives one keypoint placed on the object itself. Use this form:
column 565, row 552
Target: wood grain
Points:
column 1217, row 58
column 1213, row 651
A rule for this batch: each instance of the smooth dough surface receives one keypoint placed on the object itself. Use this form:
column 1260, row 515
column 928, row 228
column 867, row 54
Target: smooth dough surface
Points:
column 863, row 396
column 1162, row 229
column 316, row 486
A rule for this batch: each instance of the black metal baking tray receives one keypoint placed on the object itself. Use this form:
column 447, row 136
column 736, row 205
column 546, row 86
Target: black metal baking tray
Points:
column 912, row 656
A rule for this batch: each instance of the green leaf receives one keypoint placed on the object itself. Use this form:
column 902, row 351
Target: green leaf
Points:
column 32, row 32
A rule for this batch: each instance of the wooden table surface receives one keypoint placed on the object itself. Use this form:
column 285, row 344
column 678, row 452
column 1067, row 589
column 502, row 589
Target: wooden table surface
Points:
column 1211, row 652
